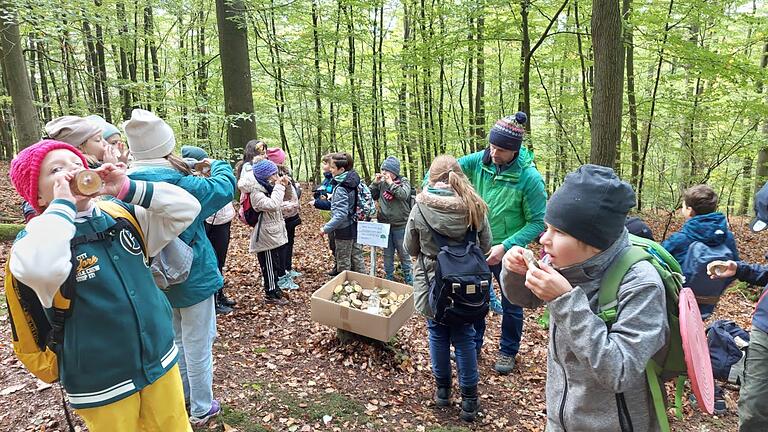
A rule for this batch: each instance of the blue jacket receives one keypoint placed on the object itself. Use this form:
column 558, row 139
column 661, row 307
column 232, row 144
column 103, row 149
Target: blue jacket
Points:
column 756, row 274
column 702, row 228
column 213, row 192
column 322, row 193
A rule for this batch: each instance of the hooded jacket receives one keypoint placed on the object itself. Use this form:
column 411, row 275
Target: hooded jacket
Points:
column 213, row 193
column 269, row 233
column 516, row 196
column 710, row 229
column 343, row 205
column 756, row 274
column 595, row 376
column 395, row 211
column 446, row 215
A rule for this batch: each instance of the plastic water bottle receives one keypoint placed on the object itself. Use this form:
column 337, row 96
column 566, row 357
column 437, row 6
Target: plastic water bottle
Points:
column 374, row 303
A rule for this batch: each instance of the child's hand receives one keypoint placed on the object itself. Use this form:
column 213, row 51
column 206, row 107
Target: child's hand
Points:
column 497, row 253
column 113, row 176
column 546, row 283
column 123, row 150
column 513, row 261
column 721, row 269
column 61, row 188
column 111, row 155
column 378, row 177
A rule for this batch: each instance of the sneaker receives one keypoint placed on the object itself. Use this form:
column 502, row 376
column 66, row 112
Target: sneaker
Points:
column 213, row 412
column 496, row 306
column 720, row 407
column 285, row 283
column 504, row 364
column 293, row 274
column 226, row 301
column 223, row 309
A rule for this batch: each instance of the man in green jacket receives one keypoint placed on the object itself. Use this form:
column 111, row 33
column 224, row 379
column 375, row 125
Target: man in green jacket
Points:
column 505, row 176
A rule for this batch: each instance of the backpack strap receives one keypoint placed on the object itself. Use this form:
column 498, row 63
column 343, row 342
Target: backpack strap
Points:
column 118, row 212
column 608, row 295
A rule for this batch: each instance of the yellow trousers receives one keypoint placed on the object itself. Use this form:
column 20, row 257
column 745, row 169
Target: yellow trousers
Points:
column 158, row 407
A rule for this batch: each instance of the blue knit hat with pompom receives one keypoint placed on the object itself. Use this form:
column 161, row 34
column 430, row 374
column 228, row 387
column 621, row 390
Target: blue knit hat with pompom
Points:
column 508, row 132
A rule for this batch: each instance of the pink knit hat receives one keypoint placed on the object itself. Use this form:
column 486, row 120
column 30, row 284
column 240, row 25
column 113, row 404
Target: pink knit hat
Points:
column 276, row 155
column 25, row 168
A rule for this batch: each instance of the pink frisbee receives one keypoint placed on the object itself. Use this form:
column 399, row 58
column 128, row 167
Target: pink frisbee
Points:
column 696, row 351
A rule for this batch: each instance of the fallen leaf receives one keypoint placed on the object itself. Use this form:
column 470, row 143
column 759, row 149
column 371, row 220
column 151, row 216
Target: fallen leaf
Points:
column 12, row 389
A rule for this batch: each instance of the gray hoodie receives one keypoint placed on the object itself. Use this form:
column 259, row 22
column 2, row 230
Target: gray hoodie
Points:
column 447, row 215
column 595, row 376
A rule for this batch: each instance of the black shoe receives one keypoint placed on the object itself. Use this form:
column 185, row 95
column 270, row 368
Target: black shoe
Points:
column 332, row 273
column 222, row 309
column 278, row 297
column 226, row 301
column 470, row 405
column 443, row 396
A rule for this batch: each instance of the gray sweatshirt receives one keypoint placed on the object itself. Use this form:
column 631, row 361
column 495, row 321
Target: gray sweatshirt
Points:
column 596, row 377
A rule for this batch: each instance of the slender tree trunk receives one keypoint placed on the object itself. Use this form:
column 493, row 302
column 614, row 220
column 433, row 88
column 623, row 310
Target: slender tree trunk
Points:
column 761, row 173
column 279, row 90
column 403, row 134
column 356, row 127
column 27, row 123
column 473, row 145
column 236, row 73
column 746, row 190
column 524, row 101
column 32, row 63
column 101, row 69
column 46, row 97
column 66, row 58
column 203, row 124
column 584, row 94
column 480, row 89
column 375, row 92
column 125, row 94
column 157, row 88
column 318, row 102
column 634, row 142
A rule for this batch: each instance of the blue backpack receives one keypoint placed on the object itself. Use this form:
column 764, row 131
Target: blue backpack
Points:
column 460, row 291
column 708, row 291
column 727, row 342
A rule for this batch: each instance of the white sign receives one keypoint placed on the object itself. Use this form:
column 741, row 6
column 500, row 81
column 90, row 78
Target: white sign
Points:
column 373, row 234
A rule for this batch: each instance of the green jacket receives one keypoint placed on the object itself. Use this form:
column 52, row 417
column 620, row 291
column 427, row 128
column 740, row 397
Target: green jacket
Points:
column 394, row 212
column 516, row 198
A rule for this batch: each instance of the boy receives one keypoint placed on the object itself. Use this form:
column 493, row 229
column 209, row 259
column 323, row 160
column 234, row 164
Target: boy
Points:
column 595, row 375
column 753, row 410
column 394, row 195
column 343, row 225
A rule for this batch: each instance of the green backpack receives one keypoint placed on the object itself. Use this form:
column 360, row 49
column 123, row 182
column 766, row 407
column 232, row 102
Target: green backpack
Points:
column 668, row 363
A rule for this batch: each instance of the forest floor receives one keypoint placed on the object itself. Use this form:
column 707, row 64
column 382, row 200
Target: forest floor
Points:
column 276, row 370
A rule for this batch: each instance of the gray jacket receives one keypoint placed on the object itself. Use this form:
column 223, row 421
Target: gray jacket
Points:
column 596, row 377
column 269, row 233
column 447, row 215
column 343, row 205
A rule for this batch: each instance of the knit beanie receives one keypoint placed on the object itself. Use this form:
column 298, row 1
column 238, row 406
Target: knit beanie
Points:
column 25, row 168
column 591, row 205
column 264, row 169
column 149, row 137
column 193, row 152
column 107, row 129
column 276, row 155
column 72, row 130
column 392, row 165
column 508, row 132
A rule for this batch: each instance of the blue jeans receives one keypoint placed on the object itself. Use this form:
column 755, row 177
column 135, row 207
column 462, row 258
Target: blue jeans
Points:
column 194, row 330
column 441, row 337
column 511, row 323
column 396, row 236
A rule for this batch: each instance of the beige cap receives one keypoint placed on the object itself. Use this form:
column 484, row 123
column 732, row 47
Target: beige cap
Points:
column 149, row 137
column 72, row 130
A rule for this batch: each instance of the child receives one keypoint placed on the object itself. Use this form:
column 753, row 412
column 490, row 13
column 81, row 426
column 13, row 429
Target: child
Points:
column 111, row 134
column 217, row 229
column 343, row 225
column 290, row 209
column 595, row 375
column 394, row 195
column 753, row 410
column 449, row 205
column 152, row 142
column 322, row 201
column 638, row 227
column 86, row 136
column 702, row 224
column 118, row 360
column 253, row 148
column 267, row 190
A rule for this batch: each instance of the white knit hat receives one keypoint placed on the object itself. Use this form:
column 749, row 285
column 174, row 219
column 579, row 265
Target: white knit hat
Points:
column 149, row 137
column 72, row 130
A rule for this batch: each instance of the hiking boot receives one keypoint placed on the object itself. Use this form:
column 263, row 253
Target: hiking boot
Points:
column 504, row 364
column 470, row 405
column 223, row 309
column 443, row 396
column 213, row 412
column 496, row 306
column 224, row 300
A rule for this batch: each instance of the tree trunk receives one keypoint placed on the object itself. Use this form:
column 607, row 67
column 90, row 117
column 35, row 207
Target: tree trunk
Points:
column 236, row 73
column 524, row 101
column 279, row 90
column 203, row 124
column 44, row 93
column 634, row 142
column 318, row 103
column 101, row 70
column 746, row 190
column 27, row 123
column 356, row 127
column 609, row 71
column 480, row 80
column 125, row 94
column 584, row 94
column 762, row 156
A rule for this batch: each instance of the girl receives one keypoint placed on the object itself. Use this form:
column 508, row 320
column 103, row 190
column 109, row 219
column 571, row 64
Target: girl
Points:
column 595, row 375
column 253, row 148
column 267, row 190
column 217, row 229
column 450, row 206
column 86, row 136
column 290, row 208
column 118, row 360
column 111, row 135
column 151, row 141
column 394, row 195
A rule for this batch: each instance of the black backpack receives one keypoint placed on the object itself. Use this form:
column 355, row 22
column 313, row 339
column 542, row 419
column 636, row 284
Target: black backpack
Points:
column 460, row 291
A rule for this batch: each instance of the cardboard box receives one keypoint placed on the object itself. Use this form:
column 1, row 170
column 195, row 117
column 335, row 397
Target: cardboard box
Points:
column 363, row 323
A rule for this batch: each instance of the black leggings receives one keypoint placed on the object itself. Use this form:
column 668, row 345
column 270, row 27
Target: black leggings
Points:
column 286, row 250
column 219, row 238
